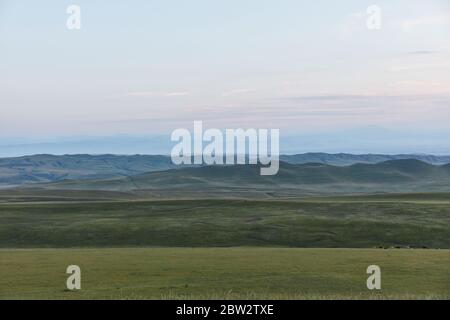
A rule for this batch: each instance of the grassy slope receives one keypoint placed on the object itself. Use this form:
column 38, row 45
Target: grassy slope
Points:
column 316, row 222
column 252, row 273
column 291, row 180
column 48, row 168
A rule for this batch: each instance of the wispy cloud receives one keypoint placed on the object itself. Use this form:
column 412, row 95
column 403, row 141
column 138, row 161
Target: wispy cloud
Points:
column 428, row 65
column 411, row 24
column 236, row 92
column 421, row 52
column 431, row 87
column 157, row 94
column 349, row 25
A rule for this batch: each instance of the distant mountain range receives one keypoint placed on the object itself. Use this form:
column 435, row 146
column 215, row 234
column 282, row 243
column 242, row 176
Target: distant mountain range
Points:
column 345, row 159
column 408, row 175
column 153, row 171
column 50, row 168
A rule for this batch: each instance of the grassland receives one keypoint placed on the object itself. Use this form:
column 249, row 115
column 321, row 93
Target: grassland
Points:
column 355, row 222
column 224, row 273
column 224, row 248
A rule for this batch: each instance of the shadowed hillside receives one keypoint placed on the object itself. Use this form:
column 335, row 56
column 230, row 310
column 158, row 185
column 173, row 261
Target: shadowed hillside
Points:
column 345, row 159
column 50, row 168
column 302, row 179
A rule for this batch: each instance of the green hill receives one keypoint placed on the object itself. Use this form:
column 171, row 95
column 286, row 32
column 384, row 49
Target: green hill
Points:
column 52, row 168
column 302, row 179
column 345, row 159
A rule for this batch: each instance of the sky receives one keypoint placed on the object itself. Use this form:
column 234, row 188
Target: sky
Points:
column 137, row 70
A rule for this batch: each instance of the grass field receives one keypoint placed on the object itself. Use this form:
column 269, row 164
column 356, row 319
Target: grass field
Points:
column 224, row 273
column 348, row 222
column 224, row 248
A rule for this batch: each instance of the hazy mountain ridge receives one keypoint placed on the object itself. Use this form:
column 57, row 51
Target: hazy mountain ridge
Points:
column 51, row 168
column 293, row 179
column 345, row 159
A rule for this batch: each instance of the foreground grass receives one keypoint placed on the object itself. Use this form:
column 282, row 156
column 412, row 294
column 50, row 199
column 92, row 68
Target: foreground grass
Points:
column 224, row 273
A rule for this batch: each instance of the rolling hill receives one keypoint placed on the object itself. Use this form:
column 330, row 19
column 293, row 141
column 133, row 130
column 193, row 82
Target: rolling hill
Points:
column 345, row 159
column 292, row 179
column 51, row 168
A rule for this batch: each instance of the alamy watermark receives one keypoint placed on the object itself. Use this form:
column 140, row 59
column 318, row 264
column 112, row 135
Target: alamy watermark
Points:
column 74, row 20
column 373, row 21
column 374, row 280
column 74, row 280
column 237, row 146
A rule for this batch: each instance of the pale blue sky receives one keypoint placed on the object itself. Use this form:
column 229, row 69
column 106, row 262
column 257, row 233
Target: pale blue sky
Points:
column 145, row 68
